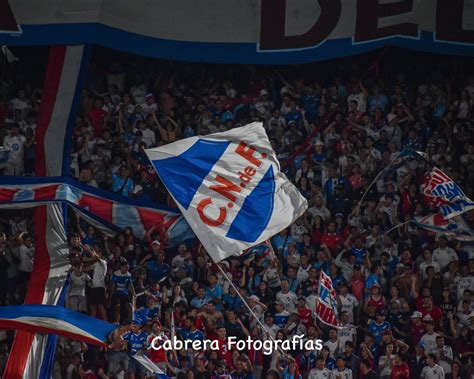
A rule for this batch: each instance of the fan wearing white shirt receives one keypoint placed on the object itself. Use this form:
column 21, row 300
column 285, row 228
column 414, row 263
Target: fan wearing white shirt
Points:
column 319, row 372
column 348, row 302
column 443, row 255
column 287, row 297
column 341, row 371
column 432, row 370
column 14, row 143
column 333, row 344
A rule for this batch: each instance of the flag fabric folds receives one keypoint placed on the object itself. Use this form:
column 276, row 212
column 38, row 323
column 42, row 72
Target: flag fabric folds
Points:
column 48, row 319
column 110, row 213
column 455, row 227
column 326, row 304
column 144, row 361
column 452, row 200
column 229, row 188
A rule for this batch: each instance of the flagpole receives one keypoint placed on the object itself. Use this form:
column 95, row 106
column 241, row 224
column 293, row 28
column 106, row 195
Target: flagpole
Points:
column 369, row 187
column 263, row 326
column 396, row 227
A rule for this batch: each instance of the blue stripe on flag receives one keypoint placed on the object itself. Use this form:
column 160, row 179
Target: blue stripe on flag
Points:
column 97, row 328
column 256, row 211
column 184, row 174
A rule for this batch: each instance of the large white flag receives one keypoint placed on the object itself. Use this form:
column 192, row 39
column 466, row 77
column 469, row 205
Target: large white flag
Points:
column 229, row 188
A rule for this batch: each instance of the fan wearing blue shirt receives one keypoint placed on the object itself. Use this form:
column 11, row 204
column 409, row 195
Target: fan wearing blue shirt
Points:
column 294, row 115
column 214, row 292
column 122, row 184
column 136, row 342
column 157, row 269
column 201, row 299
column 122, row 292
column 378, row 326
column 190, row 332
column 359, row 251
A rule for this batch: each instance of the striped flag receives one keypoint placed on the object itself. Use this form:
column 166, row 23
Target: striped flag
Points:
column 32, row 354
column 229, row 187
column 452, row 200
column 326, row 304
column 48, row 319
column 455, row 227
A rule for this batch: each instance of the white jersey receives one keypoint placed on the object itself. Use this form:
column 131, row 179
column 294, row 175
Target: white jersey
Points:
column 15, row 145
column 288, row 300
column 100, row 271
column 78, row 284
column 430, row 342
column 346, row 334
column 348, row 303
column 462, row 283
column 272, row 277
column 333, row 347
column 435, row 372
column 319, row 374
column 444, row 256
column 345, row 374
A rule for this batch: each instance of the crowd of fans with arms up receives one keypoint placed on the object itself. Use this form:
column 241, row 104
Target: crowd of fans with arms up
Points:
column 404, row 297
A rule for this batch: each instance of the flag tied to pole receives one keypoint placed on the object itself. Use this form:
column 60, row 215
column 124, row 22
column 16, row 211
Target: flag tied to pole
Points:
column 229, row 188
column 326, row 304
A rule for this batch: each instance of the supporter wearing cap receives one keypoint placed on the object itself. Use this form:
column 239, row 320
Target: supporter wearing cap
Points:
column 431, row 310
column 375, row 302
column 417, row 327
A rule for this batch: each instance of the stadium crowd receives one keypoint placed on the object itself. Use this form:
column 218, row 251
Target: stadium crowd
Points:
column 404, row 295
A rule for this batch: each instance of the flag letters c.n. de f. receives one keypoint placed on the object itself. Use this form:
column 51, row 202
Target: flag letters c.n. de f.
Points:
column 229, row 188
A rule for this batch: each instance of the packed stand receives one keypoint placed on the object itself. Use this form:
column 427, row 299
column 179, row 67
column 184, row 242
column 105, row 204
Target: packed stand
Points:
column 404, row 295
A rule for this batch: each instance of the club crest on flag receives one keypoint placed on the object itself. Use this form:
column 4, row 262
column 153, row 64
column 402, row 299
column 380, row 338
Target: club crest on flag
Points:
column 229, row 188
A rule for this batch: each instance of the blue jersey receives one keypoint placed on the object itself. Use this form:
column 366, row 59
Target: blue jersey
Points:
column 359, row 254
column 281, row 318
column 136, row 342
column 121, row 281
column 126, row 184
column 157, row 272
column 377, row 329
column 196, row 335
column 145, row 314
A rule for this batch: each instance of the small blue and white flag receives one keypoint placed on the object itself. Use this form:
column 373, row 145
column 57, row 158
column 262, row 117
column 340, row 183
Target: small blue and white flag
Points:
column 229, row 188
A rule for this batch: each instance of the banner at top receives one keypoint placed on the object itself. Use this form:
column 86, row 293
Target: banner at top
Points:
column 229, row 188
column 243, row 31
